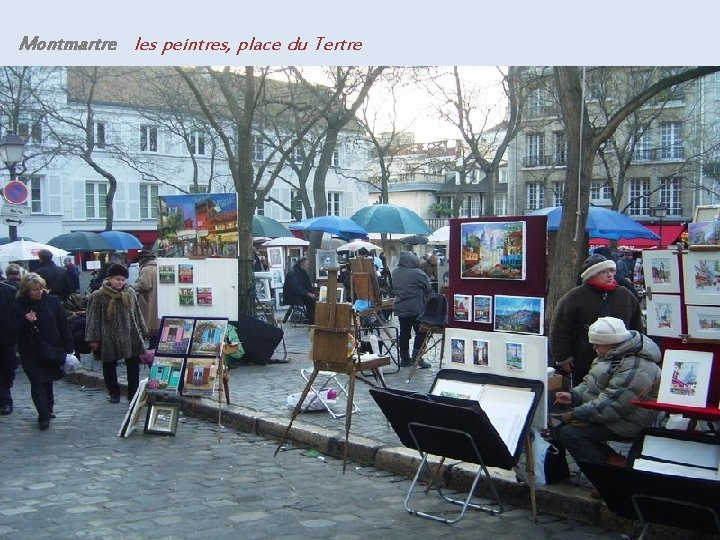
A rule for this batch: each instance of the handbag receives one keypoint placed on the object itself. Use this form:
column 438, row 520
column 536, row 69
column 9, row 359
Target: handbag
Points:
column 51, row 355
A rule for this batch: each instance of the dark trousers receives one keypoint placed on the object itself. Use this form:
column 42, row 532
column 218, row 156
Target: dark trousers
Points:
column 587, row 443
column 407, row 326
column 43, row 398
column 8, row 362
column 133, row 376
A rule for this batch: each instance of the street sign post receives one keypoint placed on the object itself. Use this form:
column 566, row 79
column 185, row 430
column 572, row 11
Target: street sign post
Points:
column 15, row 192
column 14, row 210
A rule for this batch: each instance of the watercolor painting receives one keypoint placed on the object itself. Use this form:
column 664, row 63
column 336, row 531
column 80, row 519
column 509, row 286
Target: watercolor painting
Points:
column 482, row 308
column 481, row 356
column 492, row 250
column 523, row 314
column 514, row 356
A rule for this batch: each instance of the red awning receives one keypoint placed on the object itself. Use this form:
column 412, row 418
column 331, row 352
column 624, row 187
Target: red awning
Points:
column 147, row 238
column 670, row 234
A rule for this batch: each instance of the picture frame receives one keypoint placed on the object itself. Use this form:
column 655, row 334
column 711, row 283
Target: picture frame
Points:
column 493, row 250
column 481, row 352
column 701, row 277
column 208, row 337
column 339, row 294
column 201, row 377
column 162, row 418
column 166, row 273
column 514, row 356
column 174, row 336
column 277, row 277
column 261, row 282
column 482, row 309
column 138, row 401
column 457, row 350
column 663, row 315
column 703, row 322
column 324, row 259
column 275, row 257
column 279, row 300
column 661, row 271
column 166, row 374
column 685, row 377
column 519, row 314
column 462, row 307
column 704, row 233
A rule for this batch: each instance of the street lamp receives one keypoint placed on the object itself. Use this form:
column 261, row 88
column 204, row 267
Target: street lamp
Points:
column 660, row 211
column 11, row 152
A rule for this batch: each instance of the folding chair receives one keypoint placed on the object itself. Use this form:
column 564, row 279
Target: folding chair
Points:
column 328, row 378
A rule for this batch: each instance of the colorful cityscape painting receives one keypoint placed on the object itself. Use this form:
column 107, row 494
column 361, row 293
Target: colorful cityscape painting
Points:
column 492, row 250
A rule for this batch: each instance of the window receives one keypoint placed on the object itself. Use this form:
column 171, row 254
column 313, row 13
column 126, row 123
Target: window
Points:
column 501, row 204
column 99, row 135
column 558, row 193
column 639, row 196
column 296, row 156
column 95, row 193
column 200, row 189
column 335, row 162
column 502, row 176
column 260, row 208
column 296, row 205
column 560, row 148
column 148, row 139
column 671, row 195
column 197, row 143
column 470, row 206
column 535, row 195
column 258, row 148
column 642, row 148
column 333, row 203
column 35, row 189
column 148, row 201
column 535, row 150
column 671, row 140
column 540, row 103
column 30, row 131
column 600, row 192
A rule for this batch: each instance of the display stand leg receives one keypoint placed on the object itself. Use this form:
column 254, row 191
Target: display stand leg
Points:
column 530, row 475
column 435, row 475
column 348, row 416
column 298, row 407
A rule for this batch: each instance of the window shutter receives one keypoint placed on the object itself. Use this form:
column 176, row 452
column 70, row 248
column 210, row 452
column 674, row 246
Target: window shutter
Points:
column 347, row 205
column 78, row 200
column 133, row 199
column 53, row 185
column 120, row 201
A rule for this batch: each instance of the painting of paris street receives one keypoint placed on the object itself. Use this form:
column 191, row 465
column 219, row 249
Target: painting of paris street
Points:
column 493, row 250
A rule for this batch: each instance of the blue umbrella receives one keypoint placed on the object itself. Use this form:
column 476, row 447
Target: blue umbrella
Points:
column 388, row 218
column 601, row 223
column 121, row 241
column 265, row 226
column 343, row 227
column 81, row 241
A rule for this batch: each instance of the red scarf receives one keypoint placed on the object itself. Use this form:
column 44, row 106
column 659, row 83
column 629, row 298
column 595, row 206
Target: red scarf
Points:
column 602, row 286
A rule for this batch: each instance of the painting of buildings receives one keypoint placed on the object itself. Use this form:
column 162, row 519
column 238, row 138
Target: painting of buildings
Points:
column 493, row 250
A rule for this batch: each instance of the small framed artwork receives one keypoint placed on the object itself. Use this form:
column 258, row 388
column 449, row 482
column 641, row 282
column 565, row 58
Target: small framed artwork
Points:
column 165, row 374
column 166, row 273
column 481, row 356
column 522, row 314
column 704, row 233
column 324, row 259
column 461, row 306
column 200, row 377
column 275, row 257
column 204, row 296
column 279, row 301
column 208, row 336
column 661, row 272
column 514, row 356
column 277, row 277
column 703, row 322
column 185, row 273
column 457, row 350
column 685, row 377
column 262, row 286
column 482, row 308
column 186, row 296
column 162, row 418
column 663, row 315
column 701, row 275
column 492, row 250
column 174, row 336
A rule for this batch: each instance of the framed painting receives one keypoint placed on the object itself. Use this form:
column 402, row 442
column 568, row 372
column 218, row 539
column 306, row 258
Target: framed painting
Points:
column 482, row 309
column 462, row 307
column 207, row 337
column 703, row 322
column 663, row 315
column 661, row 272
column 261, row 283
column 457, row 350
column 204, row 296
column 324, row 259
column 704, row 233
column 481, row 352
column 701, row 276
column 201, row 377
column 522, row 314
column 165, row 374
column 685, row 378
column 492, row 250
column 277, row 277
column 514, row 356
column 174, row 336
column 166, row 273
column 275, row 257
column 162, row 418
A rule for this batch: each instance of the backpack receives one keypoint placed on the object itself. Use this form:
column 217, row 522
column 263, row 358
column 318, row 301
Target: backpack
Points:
column 435, row 312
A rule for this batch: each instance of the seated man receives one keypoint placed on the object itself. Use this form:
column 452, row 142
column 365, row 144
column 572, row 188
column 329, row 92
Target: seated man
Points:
column 298, row 288
column 626, row 369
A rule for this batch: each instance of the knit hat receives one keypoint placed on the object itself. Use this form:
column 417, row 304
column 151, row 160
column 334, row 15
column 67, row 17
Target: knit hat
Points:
column 117, row 270
column 607, row 331
column 595, row 264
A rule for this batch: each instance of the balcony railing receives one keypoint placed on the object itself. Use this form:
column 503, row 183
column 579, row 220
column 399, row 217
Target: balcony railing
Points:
column 552, row 160
column 664, row 153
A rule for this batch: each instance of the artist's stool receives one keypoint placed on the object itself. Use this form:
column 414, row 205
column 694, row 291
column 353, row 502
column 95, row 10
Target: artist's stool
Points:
column 328, row 378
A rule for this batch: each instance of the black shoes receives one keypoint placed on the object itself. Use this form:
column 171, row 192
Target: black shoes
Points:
column 5, row 410
column 43, row 425
column 424, row 364
column 52, row 415
column 114, row 398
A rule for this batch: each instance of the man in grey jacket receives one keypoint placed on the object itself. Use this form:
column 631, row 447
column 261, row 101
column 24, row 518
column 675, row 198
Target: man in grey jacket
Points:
column 412, row 288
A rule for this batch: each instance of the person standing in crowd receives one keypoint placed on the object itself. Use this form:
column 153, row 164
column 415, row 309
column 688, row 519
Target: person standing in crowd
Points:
column 13, row 274
column 146, row 289
column 8, row 359
column 430, row 267
column 626, row 369
column 622, row 281
column 299, row 288
column 115, row 329
column 598, row 296
column 39, row 317
column 73, row 275
column 56, row 278
column 412, row 288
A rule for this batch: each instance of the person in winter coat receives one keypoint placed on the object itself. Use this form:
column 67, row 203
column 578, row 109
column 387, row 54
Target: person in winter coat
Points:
column 8, row 359
column 57, row 279
column 115, row 329
column 412, row 288
column 598, row 296
column 298, row 288
column 39, row 317
column 146, row 289
column 626, row 369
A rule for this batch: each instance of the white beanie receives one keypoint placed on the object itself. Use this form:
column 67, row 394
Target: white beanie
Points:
column 607, row 331
column 595, row 264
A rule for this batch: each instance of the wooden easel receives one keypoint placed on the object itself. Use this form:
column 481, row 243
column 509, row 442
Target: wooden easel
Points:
column 334, row 325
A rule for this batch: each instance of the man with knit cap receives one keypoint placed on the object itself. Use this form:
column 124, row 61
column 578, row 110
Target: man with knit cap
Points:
column 598, row 296
column 626, row 369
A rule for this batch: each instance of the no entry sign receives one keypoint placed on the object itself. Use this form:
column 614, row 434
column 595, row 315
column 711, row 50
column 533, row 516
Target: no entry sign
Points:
column 15, row 192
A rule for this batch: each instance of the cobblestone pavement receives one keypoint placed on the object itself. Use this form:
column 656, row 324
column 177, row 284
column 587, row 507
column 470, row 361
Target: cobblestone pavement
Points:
column 78, row 480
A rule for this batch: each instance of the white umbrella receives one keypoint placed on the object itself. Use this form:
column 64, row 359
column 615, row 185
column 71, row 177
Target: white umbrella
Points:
column 441, row 236
column 357, row 244
column 25, row 250
column 286, row 241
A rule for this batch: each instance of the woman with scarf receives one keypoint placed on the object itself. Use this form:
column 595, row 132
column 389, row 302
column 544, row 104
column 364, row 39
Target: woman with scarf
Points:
column 115, row 329
column 598, row 296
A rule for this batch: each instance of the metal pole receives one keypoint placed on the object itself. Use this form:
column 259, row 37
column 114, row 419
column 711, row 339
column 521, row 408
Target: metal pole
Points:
column 12, row 229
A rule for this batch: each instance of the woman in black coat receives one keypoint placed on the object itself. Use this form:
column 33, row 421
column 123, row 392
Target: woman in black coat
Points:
column 39, row 317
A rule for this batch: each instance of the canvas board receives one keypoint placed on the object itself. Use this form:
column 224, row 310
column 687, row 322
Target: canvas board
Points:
column 685, row 377
column 701, row 277
column 664, row 315
column 703, row 322
column 661, row 271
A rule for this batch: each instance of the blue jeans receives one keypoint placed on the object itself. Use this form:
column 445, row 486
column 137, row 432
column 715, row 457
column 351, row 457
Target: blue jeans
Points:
column 587, row 443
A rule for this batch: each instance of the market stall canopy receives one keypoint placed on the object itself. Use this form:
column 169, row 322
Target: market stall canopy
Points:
column 388, row 218
column 81, row 241
column 601, row 223
column 121, row 241
column 265, row 226
column 358, row 244
column 670, row 235
column 335, row 225
column 26, row 250
column 286, row 241
column 441, row 236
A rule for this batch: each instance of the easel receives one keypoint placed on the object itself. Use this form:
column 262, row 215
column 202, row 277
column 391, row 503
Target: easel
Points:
column 428, row 331
column 334, row 325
